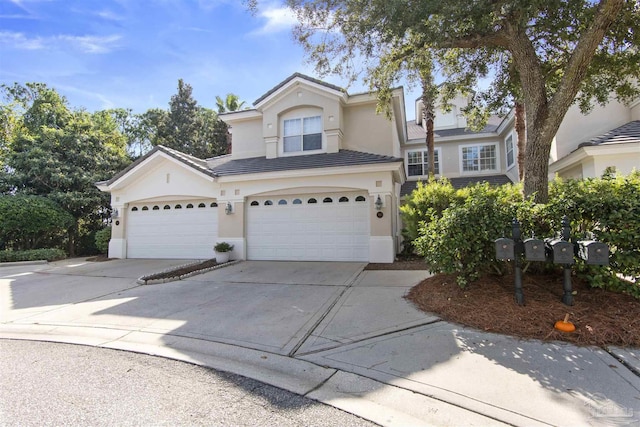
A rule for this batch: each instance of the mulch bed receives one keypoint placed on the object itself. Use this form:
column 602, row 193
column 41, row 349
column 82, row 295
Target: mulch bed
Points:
column 177, row 272
column 601, row 317
column 406, row 263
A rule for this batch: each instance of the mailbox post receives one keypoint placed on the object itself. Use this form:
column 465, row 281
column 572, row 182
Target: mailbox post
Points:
column 510, row 250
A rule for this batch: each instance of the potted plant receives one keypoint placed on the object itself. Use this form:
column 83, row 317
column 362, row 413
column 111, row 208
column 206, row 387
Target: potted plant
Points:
column 222, row 250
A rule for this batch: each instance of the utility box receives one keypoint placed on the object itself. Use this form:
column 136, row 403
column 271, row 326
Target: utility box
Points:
column 534, row 250
column 559, row 251
column 593, row 252
column 505, row 249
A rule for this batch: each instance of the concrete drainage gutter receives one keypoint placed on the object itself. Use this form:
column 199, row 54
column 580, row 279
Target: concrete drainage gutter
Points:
column 144, row 280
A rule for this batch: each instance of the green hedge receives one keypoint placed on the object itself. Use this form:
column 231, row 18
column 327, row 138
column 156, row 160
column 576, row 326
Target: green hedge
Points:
column 102, row 238
column 456, row 228
column 32, row 255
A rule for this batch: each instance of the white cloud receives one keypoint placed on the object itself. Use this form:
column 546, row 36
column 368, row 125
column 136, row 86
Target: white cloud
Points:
column 85, row 44
column 278, row 19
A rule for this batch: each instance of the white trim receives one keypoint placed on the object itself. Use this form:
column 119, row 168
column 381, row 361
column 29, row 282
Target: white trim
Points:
column 146, row 162
column 118, row 248
column 479, row 171
column 381, row 249
column 514, row 148
column 298, row 82
column 303, row 113
column 577, row 156
column 303, row 173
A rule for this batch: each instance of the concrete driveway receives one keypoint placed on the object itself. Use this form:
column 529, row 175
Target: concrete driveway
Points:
column 330, row 331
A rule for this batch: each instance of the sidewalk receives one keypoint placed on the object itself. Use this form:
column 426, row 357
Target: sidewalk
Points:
column 352, row 342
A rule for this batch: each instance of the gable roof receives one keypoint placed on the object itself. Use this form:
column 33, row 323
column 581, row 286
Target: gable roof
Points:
column 629, row 132
column 460, row 182
column 311, row 161
column 191, row 161
column 294, row 76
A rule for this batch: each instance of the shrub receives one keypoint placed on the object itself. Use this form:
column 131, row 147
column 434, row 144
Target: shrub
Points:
column 223, row 247
column 461, row 240
column 102, row 238
column 32, row 255
column 425, row 204
column 29, row 222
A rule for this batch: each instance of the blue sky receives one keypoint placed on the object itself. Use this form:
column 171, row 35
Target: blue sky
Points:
column 131, row 53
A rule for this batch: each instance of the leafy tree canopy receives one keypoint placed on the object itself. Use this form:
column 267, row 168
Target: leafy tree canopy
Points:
column 547, row 53
column 230, row 103
column 61, row 153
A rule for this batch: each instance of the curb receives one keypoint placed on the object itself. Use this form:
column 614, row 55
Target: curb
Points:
column 16, row 263
column 143, row 281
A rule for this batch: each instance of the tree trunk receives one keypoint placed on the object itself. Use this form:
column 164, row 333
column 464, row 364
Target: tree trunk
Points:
column 73, row 237
column 429, row 116
column 522, row 138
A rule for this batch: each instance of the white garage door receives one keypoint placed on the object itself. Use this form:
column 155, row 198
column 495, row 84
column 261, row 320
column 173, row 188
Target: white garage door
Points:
column 311, row 227
column 177, row 229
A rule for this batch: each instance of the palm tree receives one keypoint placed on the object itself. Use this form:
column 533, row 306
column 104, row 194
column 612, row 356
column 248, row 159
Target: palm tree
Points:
column 230, row 103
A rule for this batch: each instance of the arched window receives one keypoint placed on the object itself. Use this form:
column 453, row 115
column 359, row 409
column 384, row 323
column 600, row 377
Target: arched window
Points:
column 134, row 209
column 177, row 207
column 268, row 203
column 254, row 203
column 156, row 208
column 360, row 199
column 297, row 201
column 343, row 199
column 145, row 208
column 166, row 207
column 214, row 205
column 282, row 202
column 202, row 205
column 190, row 206
column 312, row 200
column 327, row 200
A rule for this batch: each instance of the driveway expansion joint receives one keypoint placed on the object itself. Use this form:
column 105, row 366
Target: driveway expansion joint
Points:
column 623, row 362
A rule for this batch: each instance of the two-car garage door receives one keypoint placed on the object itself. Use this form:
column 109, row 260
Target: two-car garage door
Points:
column 310, row 227
column 177, row 229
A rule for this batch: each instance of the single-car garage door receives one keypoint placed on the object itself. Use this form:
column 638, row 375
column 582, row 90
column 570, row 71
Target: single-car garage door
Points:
column 177, row 229
column 311, row 227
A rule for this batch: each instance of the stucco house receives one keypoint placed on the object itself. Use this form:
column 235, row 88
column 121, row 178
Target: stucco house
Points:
column 316, row 175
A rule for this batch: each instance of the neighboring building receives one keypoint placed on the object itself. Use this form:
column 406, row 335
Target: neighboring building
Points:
column 461, row 155
column 316, row 175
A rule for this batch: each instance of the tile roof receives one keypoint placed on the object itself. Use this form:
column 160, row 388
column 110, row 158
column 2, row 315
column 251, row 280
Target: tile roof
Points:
column 415, row 131
column 629, row 132
column 293, row 76
column 460, row 182
column 312, row 161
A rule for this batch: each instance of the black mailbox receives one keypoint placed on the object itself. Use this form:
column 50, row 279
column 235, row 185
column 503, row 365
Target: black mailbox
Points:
column 593, row 252
column 559, row 251
column 534, row 250
column 505, row 249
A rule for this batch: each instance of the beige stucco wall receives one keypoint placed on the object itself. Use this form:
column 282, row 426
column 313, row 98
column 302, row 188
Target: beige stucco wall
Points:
column 450, row 156
column 366, row 131
column 232, row 225
column 577, row 127
column 246, row 139
column 624, row 164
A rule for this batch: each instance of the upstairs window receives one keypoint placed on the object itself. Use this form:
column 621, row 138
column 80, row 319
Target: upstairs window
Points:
column 303, row 134
column 478, row 158
column 418, row 163
column 510, row 151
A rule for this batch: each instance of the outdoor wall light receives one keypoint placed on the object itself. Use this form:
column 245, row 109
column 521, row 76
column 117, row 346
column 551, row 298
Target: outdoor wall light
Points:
column 228, row 209
column 378, row 203
column 115, row 214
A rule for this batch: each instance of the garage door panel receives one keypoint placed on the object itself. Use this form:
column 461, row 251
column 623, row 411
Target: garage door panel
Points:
column 336, row 231
column 172, row 233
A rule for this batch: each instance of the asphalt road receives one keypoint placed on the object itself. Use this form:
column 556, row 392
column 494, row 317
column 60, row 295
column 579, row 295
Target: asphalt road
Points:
column 46, row 384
